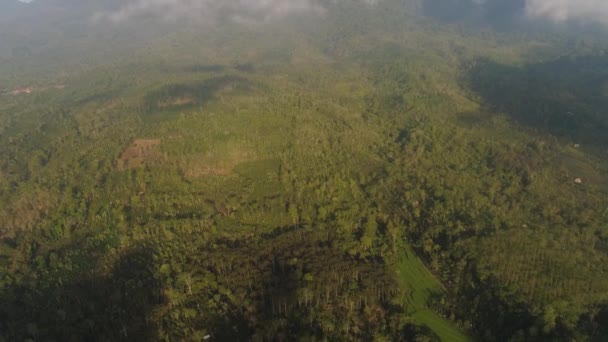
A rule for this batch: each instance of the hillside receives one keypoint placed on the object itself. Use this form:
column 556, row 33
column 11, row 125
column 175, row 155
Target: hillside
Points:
column 345, row 171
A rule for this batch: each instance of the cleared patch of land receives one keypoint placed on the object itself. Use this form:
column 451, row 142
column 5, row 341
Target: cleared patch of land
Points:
column 422, row 285
column 215, row 164
column 140, row 152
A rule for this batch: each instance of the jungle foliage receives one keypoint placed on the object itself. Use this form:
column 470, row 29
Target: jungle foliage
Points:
column 374, row 174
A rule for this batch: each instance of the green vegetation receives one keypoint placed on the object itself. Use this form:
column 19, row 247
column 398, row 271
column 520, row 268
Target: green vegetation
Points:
column 369, row 175
column 423, row 289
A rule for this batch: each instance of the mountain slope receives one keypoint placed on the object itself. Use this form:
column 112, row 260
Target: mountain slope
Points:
column 367, row 173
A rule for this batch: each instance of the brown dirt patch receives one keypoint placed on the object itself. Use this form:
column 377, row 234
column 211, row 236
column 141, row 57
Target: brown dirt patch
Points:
column 26, row 212
column 140, row 152
column 223, row 165
column 176, row 102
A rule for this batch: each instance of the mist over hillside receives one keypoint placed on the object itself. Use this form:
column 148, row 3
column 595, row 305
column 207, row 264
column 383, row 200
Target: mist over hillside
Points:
column 41, row 25
column 283, row 170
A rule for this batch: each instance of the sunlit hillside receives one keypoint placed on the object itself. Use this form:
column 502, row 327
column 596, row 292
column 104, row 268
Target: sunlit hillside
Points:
column 396, row 170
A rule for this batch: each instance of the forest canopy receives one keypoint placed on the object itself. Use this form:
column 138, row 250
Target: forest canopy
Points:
column 391, row 170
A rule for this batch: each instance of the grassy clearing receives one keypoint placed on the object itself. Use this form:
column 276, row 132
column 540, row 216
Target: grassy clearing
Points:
column 414, row 276
column 440, row 326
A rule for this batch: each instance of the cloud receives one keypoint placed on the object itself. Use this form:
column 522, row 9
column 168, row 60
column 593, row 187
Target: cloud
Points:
column 210, row 10
column 566, row 10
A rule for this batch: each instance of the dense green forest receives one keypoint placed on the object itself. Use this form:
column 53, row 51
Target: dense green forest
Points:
column 397, row 170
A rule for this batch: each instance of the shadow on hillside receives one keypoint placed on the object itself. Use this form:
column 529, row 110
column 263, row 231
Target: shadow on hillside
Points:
column 600, row 326
column 184, row 95
column 113, row 307
column 498, row 14
column 207, row 68
column 566, row 98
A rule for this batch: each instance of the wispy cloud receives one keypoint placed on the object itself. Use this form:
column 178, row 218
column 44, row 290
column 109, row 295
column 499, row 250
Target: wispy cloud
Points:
column 565, row 10
column 206, row 10
column 265, row 10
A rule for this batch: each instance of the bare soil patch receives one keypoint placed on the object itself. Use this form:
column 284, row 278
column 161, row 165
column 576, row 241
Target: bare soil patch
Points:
column 202, row 165
column 140, row 152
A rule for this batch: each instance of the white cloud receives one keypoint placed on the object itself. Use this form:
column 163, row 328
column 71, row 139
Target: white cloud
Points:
column 210, row 9
column 564, row 10
column 248, row 11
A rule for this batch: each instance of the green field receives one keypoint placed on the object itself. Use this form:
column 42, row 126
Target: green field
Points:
column 423, row 285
